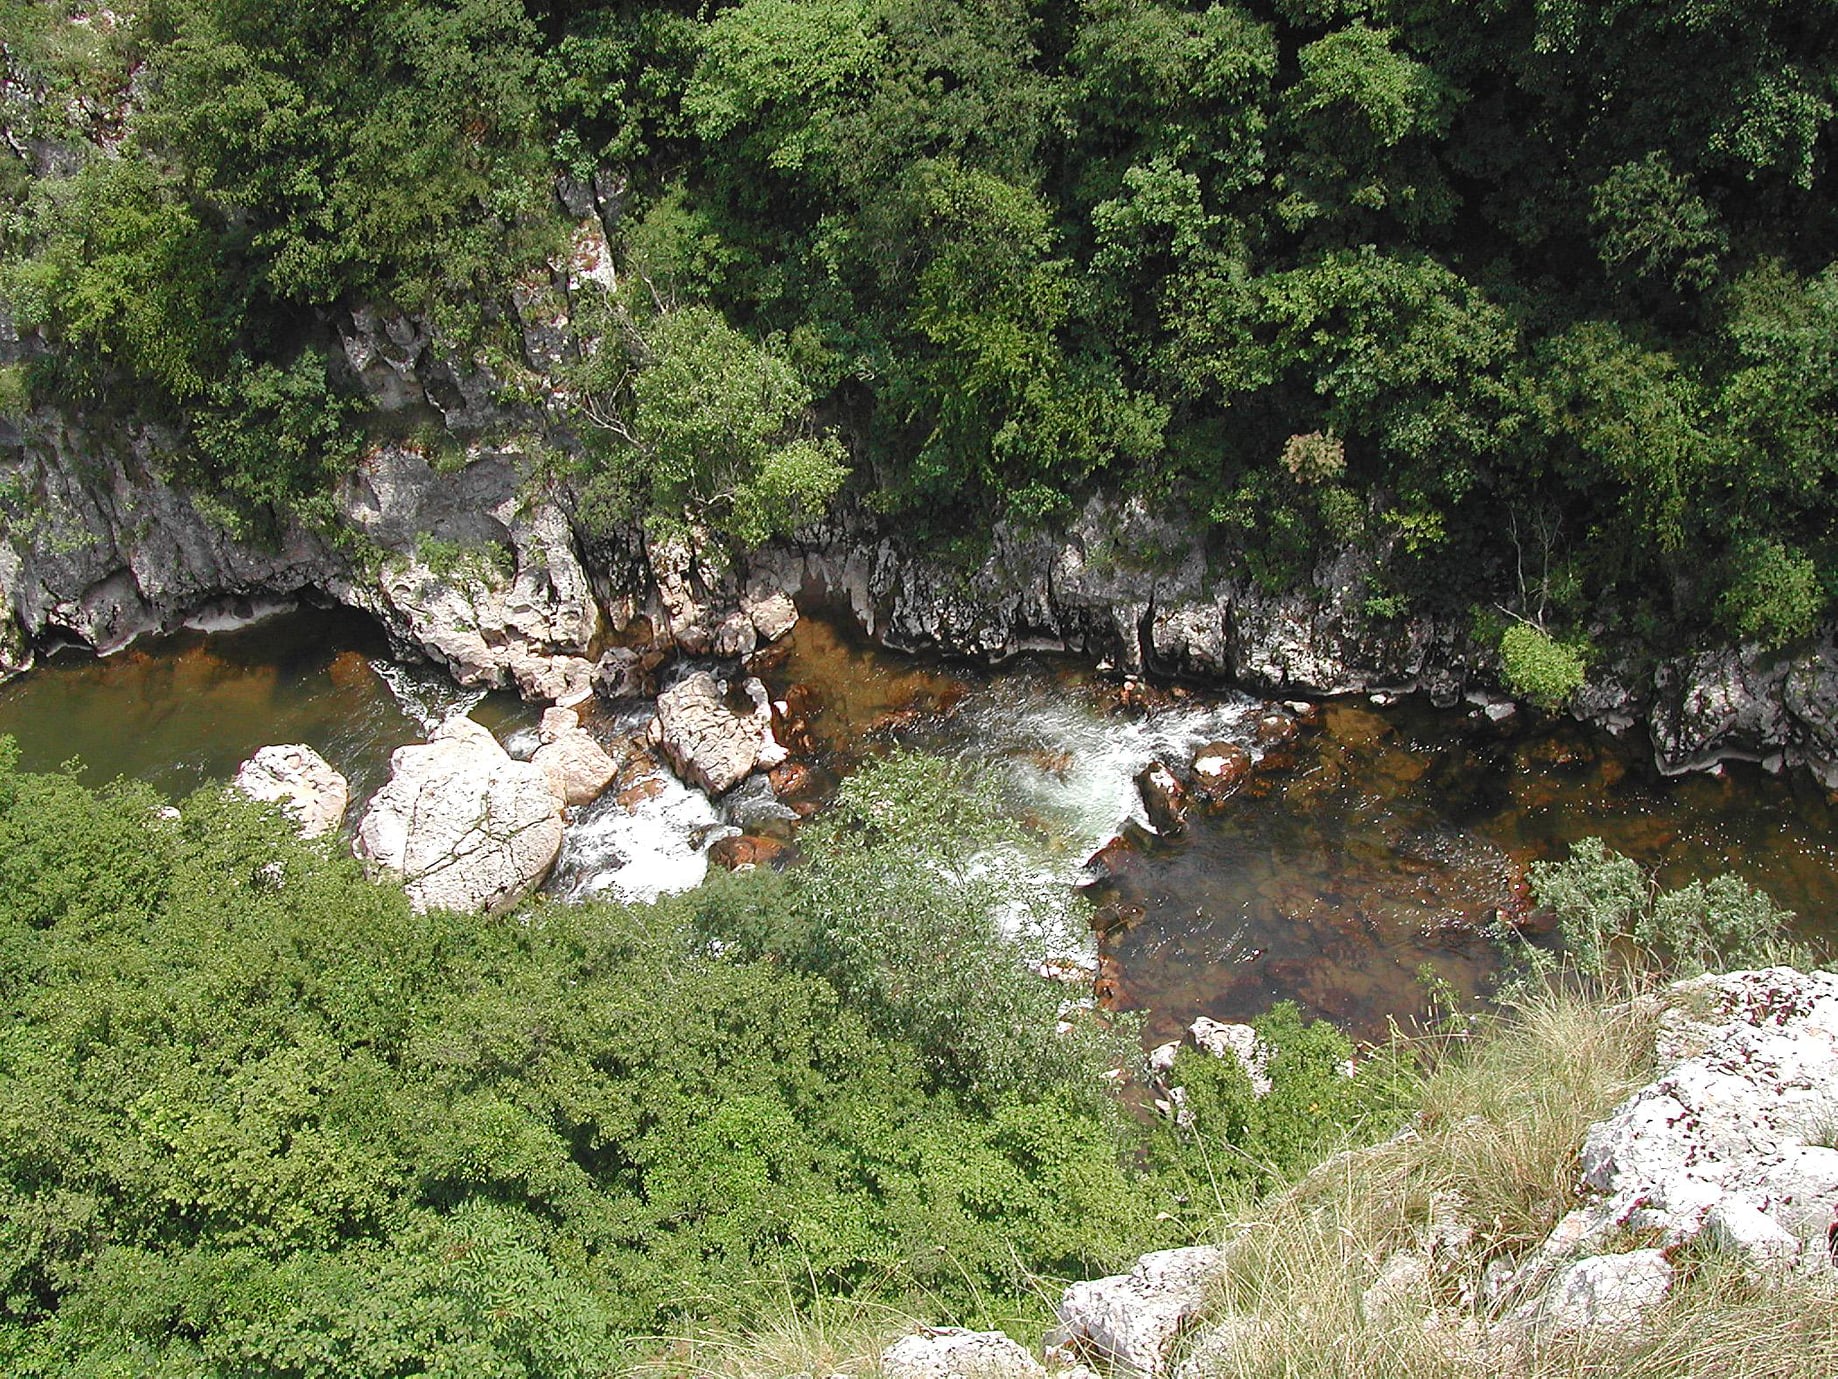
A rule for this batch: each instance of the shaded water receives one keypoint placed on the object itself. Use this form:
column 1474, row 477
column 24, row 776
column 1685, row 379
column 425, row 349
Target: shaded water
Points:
column 1393, row 837
column 1343, row 880
column 184, row 710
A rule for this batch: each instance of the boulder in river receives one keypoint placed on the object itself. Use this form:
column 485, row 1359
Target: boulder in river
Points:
column 1219, row 769
column 578, row 767
column 1164, row 799
column 463, row 825
column 715, row 739
column 302, row 782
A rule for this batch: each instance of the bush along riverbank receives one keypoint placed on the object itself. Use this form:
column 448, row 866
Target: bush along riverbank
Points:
column 260, row 1116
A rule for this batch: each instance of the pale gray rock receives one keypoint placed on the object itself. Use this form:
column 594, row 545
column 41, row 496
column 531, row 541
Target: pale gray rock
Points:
column 1737, row 1226
column 1607, row 1291
column 461, row 824
column 949, row 1352
column 578, row 768
column 508, row 603
column 1400, row 1292
column 1131, row 1321
column 302, row 782
column 714, row 739
column 1747, row 1081
column 1238, row 1043
column 769, row 609
column 736, row 636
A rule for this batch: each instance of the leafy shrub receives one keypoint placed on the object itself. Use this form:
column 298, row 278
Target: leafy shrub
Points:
column 259, row 1117
column 1773, row 595
column 1234, row 1144
column 1606, row 905
column 1539, row 667
column 899, row 908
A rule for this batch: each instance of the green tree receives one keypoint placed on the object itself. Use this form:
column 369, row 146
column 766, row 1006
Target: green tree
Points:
column 709, row 427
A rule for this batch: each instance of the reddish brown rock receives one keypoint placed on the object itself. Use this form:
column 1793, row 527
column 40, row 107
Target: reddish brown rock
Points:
column 1219, row 769
column 1276, row 728
column 746, row 850
column 1114, row 858
column 1164, row 799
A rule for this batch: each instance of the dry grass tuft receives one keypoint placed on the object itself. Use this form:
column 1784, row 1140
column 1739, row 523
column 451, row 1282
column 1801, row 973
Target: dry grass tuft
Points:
column 1489, row 1169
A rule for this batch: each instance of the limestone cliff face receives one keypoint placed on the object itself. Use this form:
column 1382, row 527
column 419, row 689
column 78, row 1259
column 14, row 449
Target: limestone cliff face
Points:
column 478, row 565
column 480, row 568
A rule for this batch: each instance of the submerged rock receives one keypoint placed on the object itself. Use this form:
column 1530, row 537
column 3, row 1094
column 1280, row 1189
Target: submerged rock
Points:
column 462, row 824
column 1219, row 769
column 1164, row 799
column 302, row 782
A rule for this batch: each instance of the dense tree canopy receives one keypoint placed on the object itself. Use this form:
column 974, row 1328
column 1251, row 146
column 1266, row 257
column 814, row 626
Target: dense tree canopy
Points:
column 1555, row 278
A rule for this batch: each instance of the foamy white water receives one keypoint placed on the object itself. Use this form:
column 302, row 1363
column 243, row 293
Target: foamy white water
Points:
column 657, row 846
column 1066, row 763
column 427, row 693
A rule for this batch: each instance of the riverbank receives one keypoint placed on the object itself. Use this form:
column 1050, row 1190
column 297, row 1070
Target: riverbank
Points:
column 1377, row 846
column 481, row 569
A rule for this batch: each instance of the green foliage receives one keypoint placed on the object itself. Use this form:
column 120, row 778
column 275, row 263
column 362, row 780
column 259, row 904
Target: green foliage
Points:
column 1608, row 908
column 719, row 431
column 1539, row 666
column 1517, row 257
column 1232, row 1144
column 15, row 392
column 1653, row 227
column 1773, row 594
column 258, row 1117
column 898, row 909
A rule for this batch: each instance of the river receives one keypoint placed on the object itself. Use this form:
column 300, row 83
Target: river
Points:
column 1354, row 880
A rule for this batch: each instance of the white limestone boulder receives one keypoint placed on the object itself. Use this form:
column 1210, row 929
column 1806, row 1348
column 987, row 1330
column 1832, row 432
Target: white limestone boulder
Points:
column 302, row 782
column 715, row 739
column 1131, row 1321
column 578, row 767
column 1612, row 1292
column 1736, row 1122
column 462, row 824
column 950, row 1352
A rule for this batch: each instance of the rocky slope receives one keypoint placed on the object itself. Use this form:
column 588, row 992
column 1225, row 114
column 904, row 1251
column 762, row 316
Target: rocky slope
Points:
column 1725, row 1152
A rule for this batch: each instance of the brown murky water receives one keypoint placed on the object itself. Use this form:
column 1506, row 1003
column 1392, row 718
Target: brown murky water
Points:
column 1349, row 881
column 184, row 710
column 1375, row 857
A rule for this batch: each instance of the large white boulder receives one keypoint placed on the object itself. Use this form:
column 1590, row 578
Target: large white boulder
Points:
column 578, row 767
column 301, row 781
column 950, row 1352
column 1131, row 1321
column 1737, row 1123
column 714, row 739
column 463, row 825
column 1608, row 1291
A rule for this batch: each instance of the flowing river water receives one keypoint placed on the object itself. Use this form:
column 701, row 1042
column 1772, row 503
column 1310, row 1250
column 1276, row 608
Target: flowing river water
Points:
column 1352, row 880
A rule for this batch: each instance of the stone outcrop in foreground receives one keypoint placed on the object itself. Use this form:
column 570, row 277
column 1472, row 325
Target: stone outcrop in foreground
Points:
column 1733, row 1140
column 462, row 824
